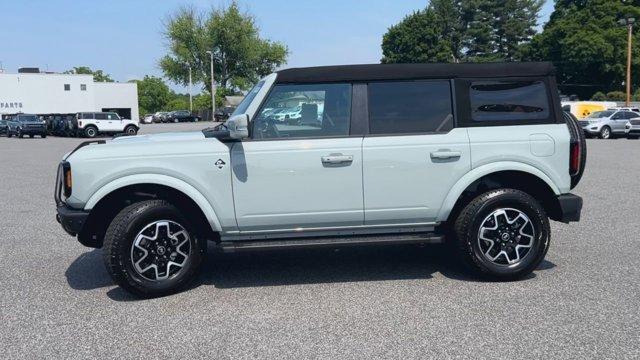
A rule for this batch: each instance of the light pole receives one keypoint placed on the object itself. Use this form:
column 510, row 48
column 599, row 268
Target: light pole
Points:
column 628, row 21
column 213, row 90
column 190, row 96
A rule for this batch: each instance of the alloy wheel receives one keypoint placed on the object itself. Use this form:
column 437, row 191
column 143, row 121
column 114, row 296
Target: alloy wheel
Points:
column 160, row 250
column 506, row 236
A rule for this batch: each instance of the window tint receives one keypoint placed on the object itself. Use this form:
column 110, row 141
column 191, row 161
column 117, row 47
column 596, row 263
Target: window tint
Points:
column 295, row 111
column 67, row 87
column 83, row 87
column 101, row 116
column 509, row 100
column 410, row 107
column 244, row 104
column 86, row 116
column 113, row 116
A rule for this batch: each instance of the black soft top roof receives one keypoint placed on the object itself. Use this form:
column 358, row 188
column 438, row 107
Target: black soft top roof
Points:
column 373, row 72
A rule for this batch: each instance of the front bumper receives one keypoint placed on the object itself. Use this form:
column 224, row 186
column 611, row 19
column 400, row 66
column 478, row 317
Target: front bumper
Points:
column 71, row 220
column 570, row 207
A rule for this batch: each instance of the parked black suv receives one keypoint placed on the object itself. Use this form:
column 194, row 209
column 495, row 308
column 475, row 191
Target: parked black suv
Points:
column 182, row 115
column 25, row 124
column 3, row 126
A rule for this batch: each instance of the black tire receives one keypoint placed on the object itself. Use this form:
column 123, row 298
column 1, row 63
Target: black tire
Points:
column 90, row 131
column 31, row 136
column 9, row 134
column 131, row 130
column 474, row 214
column 20, row 134
column 605, row 133
column 43, row 135
column 119, row 239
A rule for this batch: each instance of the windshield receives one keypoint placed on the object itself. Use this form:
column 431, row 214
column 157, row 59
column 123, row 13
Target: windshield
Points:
column 600, row 114
column 28, row 118
column 244, row 105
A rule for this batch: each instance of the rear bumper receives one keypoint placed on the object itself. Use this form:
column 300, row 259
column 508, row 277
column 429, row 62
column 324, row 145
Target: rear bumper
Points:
column 570, row 208
column 71, row 220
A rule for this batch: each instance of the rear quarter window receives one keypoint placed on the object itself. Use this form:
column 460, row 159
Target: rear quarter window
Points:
column 505, row 101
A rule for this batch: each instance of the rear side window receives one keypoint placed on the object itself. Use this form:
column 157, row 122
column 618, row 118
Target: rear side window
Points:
column 406, row 107
column 509, row 101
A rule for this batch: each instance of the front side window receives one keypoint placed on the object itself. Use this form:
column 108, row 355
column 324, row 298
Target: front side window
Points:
column 248, row 99
column 298, row 111
column 406, row 107
column 113, row 116
column 101, row 116
column 509, row 101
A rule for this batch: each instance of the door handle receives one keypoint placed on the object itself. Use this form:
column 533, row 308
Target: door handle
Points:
column 336, row 159
column 445, row 155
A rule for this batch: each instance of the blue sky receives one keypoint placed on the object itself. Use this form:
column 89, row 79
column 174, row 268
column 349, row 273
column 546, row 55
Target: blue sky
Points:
column 123, row 37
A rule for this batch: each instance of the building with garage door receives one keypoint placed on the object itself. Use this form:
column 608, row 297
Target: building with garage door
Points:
column 32, row 92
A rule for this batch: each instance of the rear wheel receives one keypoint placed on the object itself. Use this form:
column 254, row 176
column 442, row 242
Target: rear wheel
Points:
column 43, row 135
column 31, row 136
column 502, row 234
column 90, row 131
column 151, row 249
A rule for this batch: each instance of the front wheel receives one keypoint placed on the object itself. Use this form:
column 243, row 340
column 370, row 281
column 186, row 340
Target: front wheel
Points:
column 605, row 132
column 151, row 249
column 503, row 234
column 131, row 130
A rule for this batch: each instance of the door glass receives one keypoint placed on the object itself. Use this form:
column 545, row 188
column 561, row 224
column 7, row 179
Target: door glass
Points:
column 299, row 111
column 410, row 107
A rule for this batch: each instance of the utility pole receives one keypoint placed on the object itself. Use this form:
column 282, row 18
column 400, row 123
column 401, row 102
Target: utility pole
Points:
column 190, row 96
column 628, row 22
column 213, row 90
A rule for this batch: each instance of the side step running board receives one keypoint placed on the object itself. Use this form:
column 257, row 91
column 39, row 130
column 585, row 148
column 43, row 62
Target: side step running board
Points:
column 332, row 241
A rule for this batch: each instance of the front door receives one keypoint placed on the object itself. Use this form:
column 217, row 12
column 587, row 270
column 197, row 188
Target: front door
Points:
column 413, row 155
column 303, row 173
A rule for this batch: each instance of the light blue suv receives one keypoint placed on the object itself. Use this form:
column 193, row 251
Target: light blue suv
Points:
column 479, row 156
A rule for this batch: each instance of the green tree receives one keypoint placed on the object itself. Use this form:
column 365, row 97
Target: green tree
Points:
column 416, row 39
column 587, row 45
column 98, row 75
column 599, row 96
column 241, row 56
column 179, row 102
column 616, row 96
column 463, row 30
column 153, row 94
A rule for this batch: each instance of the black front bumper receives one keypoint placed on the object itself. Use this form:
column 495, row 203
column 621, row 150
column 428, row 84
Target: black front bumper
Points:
column 570, row 207
column 72, row 220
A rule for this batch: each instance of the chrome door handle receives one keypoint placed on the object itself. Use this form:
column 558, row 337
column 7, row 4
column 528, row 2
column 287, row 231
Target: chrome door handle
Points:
column 445, row 154
column 335, row 159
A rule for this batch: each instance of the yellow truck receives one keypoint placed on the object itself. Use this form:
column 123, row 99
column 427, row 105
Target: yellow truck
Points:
column 582, row 109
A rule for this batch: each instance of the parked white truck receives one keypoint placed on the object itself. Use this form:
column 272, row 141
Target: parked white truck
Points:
column 476, row 155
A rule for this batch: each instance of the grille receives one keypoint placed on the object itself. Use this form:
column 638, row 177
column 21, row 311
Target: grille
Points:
column 635, row 122
column 583, row 123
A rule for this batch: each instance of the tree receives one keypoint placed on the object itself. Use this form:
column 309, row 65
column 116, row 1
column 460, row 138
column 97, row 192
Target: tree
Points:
column 599, row 96
column 153, row 94
column 98, row 75
column 616, row 96
column 463, row 30
column 179, row 102
column 241, row 56
column 416, row 39
column 587, row 46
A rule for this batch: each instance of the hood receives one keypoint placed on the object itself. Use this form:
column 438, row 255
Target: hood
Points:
column 145, row 146
column 162, row 137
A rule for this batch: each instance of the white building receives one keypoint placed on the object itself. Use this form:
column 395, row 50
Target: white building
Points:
column 46, row 93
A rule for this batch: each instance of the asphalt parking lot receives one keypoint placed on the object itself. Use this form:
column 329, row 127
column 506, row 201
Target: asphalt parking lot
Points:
column 57, row 300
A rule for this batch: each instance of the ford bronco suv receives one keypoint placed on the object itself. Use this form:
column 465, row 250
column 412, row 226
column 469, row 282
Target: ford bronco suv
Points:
column 478, row 156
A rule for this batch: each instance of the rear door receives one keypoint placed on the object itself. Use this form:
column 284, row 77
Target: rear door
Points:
column 413, row 154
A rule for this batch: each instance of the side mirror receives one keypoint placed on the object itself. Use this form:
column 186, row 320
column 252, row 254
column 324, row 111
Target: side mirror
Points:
column 238, row 126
